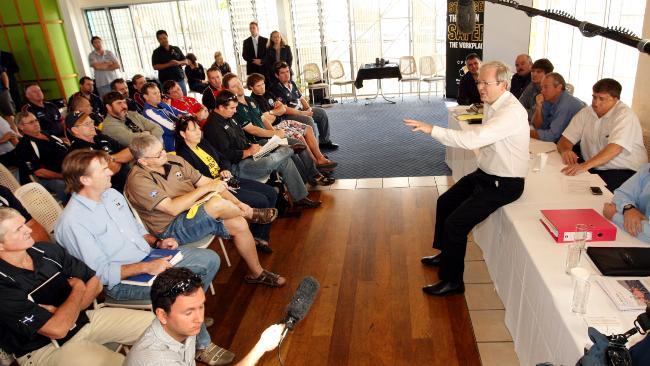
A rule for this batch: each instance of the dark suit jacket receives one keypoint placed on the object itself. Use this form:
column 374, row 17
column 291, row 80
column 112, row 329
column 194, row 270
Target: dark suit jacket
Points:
column 271, row 59
column 248, row 54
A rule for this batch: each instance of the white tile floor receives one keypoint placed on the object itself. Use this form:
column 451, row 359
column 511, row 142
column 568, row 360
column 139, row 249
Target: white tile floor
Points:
column 486, row 309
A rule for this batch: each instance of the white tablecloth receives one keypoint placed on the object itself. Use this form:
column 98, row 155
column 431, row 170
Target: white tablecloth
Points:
column 527, row 266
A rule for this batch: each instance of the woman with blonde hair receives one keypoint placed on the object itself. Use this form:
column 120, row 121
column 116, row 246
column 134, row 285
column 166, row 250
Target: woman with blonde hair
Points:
column 220, row 63
column 277, row 50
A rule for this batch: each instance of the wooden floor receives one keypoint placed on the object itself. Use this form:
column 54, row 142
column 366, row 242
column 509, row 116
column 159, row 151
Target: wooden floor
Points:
column 364, row 247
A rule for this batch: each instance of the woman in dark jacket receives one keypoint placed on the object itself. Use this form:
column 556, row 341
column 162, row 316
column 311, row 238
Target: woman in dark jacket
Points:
column 191, row 146
column 195, row 74
column 277, row 50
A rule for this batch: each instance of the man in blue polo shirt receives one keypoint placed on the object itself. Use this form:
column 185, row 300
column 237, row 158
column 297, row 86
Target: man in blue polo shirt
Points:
column 161, row 113
column 554, row 109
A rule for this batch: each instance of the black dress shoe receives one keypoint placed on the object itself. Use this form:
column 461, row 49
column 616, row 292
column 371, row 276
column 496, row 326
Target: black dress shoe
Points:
column 432, row 260
column 328, row 145
column 307, row 203
column 444, row 288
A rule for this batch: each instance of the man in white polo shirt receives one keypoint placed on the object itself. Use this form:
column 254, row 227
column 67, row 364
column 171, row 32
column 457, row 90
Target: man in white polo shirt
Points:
column 610, row 138
column 502, row 140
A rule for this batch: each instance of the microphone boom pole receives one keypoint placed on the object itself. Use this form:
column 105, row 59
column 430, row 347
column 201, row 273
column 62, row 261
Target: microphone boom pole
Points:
column 618, row 34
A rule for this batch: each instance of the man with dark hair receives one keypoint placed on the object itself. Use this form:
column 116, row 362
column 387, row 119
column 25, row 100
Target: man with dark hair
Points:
column 41, row 154
column 228, row 137
column 214, row 88
column 161, row 113
column 169, row 61
column 46, row 294
column 46, row 113
column 554, row 113
column 98, row 227
column 86, row 88
column 138, row 82
column 119, row 85
column 467, row 90
column 610, row 137
column 179, row 307
column 530, row 95
column 104, row 63
column 185, row 103
column 83, row 135
column 298, row 108
column 122, row 124
column 521, row 78
column 254, row 50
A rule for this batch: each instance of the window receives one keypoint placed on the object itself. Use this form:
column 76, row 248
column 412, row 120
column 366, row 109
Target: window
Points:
column 581, row 60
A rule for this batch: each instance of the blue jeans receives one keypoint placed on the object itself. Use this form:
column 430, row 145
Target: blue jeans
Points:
column 257, row 195
column 278, row 160
column 56, row 187
column 203, row 262
column 187, row 230
column 103, row 90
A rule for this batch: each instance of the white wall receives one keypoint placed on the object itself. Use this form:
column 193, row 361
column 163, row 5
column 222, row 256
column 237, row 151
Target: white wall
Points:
column 641, row 98
column 506, row 33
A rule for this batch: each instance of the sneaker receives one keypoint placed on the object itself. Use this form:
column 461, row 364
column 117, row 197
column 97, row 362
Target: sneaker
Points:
column 215, row 355
column 5, row 358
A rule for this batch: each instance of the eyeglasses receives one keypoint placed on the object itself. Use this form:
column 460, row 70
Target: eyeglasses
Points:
column 184, row 286
column 486, row 83
column 158, row 156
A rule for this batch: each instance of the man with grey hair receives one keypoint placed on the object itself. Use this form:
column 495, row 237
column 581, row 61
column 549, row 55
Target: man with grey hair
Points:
column 503, row 141
column 554, row 109
column 521, row 78
column 175, row 201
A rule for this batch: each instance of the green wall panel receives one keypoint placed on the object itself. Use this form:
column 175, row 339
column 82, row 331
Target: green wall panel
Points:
column 9, row 14
column 50, row 10
column 27, row 10
column 59, row 44
column 21, row 53
column 71, row 86
column 39, row 50
column 50, row 89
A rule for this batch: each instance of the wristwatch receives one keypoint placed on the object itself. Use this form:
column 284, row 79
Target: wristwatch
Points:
column 629, row 206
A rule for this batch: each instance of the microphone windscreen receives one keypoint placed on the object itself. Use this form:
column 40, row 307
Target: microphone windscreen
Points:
column 303, row 298
column 465, row 16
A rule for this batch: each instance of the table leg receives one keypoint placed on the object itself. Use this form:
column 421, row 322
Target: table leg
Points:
column 379, row 92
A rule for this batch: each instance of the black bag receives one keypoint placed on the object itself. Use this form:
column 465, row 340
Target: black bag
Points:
column 284, row 202
column 621, row 261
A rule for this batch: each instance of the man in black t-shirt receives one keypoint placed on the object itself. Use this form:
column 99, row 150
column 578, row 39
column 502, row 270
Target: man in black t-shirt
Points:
column 47, row 113
column 169, row 61
column 467, row 89
column 45, row 294
column 86, row 88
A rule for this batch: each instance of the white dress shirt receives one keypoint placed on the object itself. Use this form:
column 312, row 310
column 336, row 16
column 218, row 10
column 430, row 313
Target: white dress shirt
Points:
column 502, row 139
column 255, row 44
column 619, row 126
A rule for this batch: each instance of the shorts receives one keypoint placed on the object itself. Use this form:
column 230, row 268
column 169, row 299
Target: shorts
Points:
column 292, row 128
column 188, row 230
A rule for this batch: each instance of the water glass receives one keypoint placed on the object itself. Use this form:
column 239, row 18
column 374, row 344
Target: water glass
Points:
column 581, row 288
column 576, row 247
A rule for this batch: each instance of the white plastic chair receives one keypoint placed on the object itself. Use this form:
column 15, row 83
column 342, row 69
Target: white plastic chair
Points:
column 570, row 88
column 40, row 204
column 409, row 71
column 428, row 72
column 314, row 78
column 337, row 77
column 8, row 179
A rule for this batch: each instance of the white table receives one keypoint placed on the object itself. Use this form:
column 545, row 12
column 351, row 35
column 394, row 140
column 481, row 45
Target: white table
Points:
column 460, row 161
column 527, row 268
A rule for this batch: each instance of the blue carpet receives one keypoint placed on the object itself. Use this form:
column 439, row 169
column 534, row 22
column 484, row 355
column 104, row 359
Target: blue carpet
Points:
column 375, row 143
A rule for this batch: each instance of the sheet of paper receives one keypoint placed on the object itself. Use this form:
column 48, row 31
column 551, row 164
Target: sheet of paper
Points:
column 537, row 146
column 579, row 184
column 605, row 323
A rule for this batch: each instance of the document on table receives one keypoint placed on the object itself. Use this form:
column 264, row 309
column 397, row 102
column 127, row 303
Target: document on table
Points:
column 579, row 184
column 606, row 323
column 537, row 146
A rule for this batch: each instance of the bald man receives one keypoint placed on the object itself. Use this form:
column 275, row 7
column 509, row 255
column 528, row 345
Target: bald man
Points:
column 521, row 78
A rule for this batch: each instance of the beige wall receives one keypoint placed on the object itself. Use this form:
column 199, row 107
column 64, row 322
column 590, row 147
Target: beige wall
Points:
column 641, row 98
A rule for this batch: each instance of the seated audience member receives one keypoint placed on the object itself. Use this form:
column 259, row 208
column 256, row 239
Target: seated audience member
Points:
column 185, row 103
column 221, row 64
column 40, row 155
column 161, row 113
column 528, row 97
column 47, row 113
column 8, row 142
column 195, row 74
column 122, row 124
column 138, row 82
column 176, row 201
column 467, row 90
column 274, row 114
column 59, row 310
column 214, row 88
column 250, row 118
column 120, row 86
column 191, row 146
column 81, row 104
column 179, row 307
column 521, row 78
column 286, row 91
column 610, row 137
column 555, row 108
column 630, row 207
column 109, row 239
column 7, row 199
column 86, row 88
column 227, row 136
column 84, row 136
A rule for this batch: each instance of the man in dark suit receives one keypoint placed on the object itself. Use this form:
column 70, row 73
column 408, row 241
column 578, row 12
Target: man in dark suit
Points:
column 254, row 50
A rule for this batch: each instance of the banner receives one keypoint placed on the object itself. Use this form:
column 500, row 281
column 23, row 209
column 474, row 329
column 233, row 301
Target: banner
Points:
column 460, row 45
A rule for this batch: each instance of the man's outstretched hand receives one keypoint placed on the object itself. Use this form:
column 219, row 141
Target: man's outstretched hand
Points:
column 418, row 126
